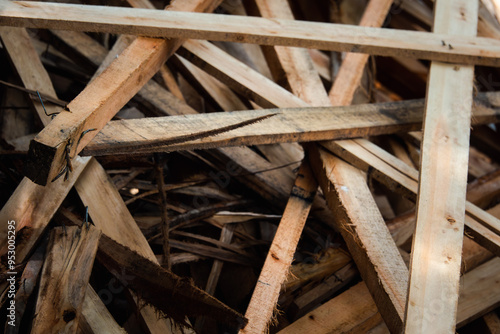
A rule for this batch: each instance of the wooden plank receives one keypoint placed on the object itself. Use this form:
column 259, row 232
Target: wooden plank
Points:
column 403, row 179
column 30, row 69
column 433, row 288
column 32, row 206
column 365, row 233
column 110, row 214
column 52, row 149
column 279, row 258
column 159, row 287
column 147, row 135
column 64, row 279
column 356, row 312
column 96, row 316
column 233, row 28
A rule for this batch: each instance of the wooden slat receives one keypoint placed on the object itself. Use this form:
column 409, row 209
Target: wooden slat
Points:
column 336, row 37
column 433, row 288
column 30, row 69
column 169, row 293
column 365, row 233
column 355, row 311
column 280, row 255
column 65, row 276
column 110, row 214
column 148, row 135
column 101, row 100
column 403, row 179
column 96, row 316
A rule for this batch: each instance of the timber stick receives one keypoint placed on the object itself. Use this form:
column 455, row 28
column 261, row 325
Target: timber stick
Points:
column 158, row 286
column 492, row 321
column 147, row 135
column 96, row 316
column 403, row 179
column 279, row 258
column 64, row 280
column 365, row 233
column 297, row 64
column 232, row 28
column 356, row 312
column 32, row 206
column 100, row 101
column 437, row 240
column 28, row 65
column 110, row 214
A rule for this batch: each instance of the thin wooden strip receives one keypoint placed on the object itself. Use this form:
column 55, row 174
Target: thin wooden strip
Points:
column 148, row 135
column 65, row 276
column 365, row 233
column 336, row 37
column 53, row 148
column 280, row 255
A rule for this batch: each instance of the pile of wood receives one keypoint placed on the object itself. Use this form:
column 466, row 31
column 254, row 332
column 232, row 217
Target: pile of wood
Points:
column 250, row 166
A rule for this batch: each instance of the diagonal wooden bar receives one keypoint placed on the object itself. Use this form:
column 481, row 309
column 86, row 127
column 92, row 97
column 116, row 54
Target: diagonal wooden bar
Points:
column 437, row 241
column 53, row 148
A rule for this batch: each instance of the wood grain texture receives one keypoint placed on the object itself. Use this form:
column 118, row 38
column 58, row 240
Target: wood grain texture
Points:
column 437, row 240
column 65, row 277
column 280, row 255
column 365, row 233
column 336, row 37
column 148, row 135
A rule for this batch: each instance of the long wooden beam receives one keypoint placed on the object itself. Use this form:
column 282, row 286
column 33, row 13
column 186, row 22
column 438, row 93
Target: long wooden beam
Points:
column 54, row 147
column 203, row 131
column 437, row 240
column 336, row 37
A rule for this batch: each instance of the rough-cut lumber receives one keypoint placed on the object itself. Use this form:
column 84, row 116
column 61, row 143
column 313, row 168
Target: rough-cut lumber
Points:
column 356, row 312
column 54, row 146
column 280, row 255
column 437, row 240
column 110, row 214
column 32, row 206
column 30, row 69
column 351, row 312
column 365, row 233
column 96, row 317
column 147, row 135
column 403, row 179
column 479, row 292
column 64, row 279
column 160, row 287
column 232, row 28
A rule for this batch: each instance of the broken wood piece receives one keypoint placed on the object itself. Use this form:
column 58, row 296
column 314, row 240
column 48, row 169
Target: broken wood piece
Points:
column 279, row 258
column 147, row 135
column 160, row 287
column 96, row 317
column 54, row 147
column 233, row 28
column 65, row 275
column 377, row 258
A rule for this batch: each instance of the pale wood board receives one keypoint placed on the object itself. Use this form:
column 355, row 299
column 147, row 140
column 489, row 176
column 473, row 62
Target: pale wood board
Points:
column 336, row 37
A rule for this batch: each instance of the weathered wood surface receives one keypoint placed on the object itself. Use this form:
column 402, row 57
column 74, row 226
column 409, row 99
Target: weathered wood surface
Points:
column 279, row 258
column 437, row 241
column 336, row 37
column 53, row 148
column 64, row 279
column 148, row 135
